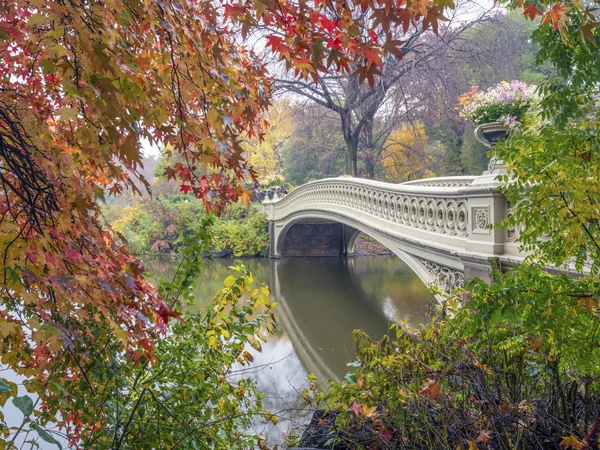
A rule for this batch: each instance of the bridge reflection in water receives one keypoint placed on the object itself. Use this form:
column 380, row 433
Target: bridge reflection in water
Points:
column 322, row 301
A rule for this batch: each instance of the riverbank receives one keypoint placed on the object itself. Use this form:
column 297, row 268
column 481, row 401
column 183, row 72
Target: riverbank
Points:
column 367, row 246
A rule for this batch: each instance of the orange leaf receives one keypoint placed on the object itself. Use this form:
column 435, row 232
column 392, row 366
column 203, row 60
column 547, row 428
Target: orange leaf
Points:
column 531, row 11
column 484, row 437
column 555, row 15
column 431, row 388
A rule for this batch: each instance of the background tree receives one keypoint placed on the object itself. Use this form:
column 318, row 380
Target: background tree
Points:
column 496, row 50
column 406, row 155
column 358, row 105
column 316, row 147
column 265, row 155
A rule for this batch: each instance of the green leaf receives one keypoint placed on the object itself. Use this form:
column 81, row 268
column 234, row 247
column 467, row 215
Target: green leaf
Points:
column 5, row 387
column 45, row 435
column 24, row 403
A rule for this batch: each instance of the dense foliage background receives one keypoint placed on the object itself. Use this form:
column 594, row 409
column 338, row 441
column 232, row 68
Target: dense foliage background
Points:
column 110, row 360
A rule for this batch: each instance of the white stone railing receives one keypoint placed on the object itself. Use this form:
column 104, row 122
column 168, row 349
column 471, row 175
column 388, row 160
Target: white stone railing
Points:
column 460, row 181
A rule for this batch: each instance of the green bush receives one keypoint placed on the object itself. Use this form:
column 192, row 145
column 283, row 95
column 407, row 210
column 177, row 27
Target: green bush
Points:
column 242, row 237
column 163, row 224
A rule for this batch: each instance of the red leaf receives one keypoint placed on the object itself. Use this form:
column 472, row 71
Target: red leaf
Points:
column 531, row 11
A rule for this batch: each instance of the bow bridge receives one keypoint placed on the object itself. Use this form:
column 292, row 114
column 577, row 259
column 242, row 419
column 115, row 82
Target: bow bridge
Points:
column 441, row 227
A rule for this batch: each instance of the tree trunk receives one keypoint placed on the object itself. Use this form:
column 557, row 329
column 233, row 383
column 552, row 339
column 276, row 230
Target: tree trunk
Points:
column 369, row 151
column 351, row 158
column 351, row 145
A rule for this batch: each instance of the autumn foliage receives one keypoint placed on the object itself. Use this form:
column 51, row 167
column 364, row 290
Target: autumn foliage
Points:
column 84, row 84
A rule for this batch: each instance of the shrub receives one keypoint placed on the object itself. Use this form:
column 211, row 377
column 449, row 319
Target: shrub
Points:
column 163, row 225
column 516, row 366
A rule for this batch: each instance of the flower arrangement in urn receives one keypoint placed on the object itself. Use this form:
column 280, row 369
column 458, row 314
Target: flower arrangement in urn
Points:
column 497, row 109
column 506, row 102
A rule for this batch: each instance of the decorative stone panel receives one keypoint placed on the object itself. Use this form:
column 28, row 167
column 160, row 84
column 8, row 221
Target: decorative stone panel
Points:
column 481, row 219
column 513, row 232
column 447, row 278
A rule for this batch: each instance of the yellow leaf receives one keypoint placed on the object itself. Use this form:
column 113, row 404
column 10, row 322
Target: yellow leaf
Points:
column 369, row 412
column 572, row 442
column 526, row 406
column 7, row 328
column 590, row 304
column 254, row 343
column 229, row 281
column 212, row 342
column 66, row 113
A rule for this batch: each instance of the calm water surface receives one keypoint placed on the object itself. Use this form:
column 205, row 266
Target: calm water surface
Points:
column 320, row 302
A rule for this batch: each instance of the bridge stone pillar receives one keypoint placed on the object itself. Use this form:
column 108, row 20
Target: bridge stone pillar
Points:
column 487, row 206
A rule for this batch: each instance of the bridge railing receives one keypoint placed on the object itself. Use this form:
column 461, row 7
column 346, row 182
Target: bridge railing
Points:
column 453, row 182
column 452, row 211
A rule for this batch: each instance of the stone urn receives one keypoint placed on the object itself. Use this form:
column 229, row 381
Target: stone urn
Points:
column 489, row 134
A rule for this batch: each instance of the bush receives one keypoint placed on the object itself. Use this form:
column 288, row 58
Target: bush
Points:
column 516, row 367
column 162, row 225
column 242, row 237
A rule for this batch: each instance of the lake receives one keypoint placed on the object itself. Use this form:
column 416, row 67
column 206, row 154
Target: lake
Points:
column 320, row 302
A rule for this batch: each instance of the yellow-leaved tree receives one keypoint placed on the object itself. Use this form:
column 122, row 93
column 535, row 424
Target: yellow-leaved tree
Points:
column 265, row 156
column 406, row 154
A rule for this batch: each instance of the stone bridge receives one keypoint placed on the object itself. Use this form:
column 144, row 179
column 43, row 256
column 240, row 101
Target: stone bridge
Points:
column 441, row 227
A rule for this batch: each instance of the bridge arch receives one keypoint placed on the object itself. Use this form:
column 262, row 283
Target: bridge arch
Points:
column 437, row 268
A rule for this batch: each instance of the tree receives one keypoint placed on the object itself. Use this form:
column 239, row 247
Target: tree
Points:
column 315, row 149
column 358, row 105
column 489, row 52
column 265, row 155
column 406, row 156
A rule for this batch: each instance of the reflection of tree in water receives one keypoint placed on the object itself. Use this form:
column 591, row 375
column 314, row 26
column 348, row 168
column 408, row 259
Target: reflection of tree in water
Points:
column 279, row 375
column 394, row 286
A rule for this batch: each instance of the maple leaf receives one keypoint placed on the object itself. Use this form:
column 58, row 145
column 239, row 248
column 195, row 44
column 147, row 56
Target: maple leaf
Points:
column 394, row 47
column 531, row 11
column 431, row 389
column 434, row 15
column 356, row 408
column 587, row 31
column 536, row 345
column 274, row 42
column 555, row 15
column 421, row 6
column 246, row 197
column 372, row 56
